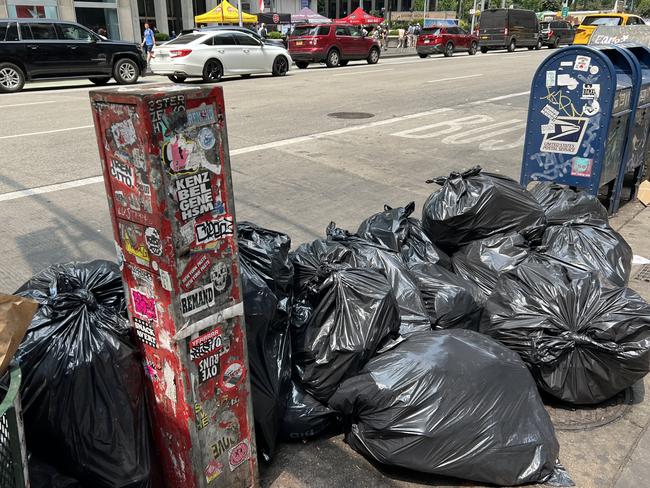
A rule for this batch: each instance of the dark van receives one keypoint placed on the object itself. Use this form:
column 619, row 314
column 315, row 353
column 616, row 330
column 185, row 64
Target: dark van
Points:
column 509, row 28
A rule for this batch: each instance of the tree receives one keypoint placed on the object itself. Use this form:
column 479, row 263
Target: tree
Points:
column 553, row 5
column 642, row 8
column 417, row 5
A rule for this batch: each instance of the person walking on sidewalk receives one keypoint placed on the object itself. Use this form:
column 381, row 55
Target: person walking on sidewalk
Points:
column 401, row 38
column 148, row 42
column 263, row 33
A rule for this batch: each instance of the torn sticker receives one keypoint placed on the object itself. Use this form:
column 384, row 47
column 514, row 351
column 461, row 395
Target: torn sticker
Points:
column 582, row 63
column 203, row 115
column 581, row 167
column 238, row 454
column 187, row 232
column 567, row 80
column 206, row 138
column 165, row 279
column 123, row 133
column 202, row 420
column 153, row 241
column 206, row 344
column 550, row 78
column 550, row 112
column 233, row 375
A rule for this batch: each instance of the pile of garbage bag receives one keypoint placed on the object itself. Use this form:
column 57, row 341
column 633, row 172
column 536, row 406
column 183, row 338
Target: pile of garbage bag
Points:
column 562, row 204
column 83, row 385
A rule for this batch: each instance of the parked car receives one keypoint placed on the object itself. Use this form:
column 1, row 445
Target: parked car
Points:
column 509, row 28
column 446, row 40
column 557, row 32
column 272, row 42
column 32, row 49
column 214, row 54
column 590, row 22
column 332, row 44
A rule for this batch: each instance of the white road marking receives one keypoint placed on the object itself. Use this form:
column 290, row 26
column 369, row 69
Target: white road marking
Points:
column 49, row 188
column 455, row 78
column 46, row 132
column 30, row 103
column 365, row 72
column 244, row 150
column 496, row 99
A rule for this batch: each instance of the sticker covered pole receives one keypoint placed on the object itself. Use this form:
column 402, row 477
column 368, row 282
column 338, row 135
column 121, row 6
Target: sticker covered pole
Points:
column 164, row 156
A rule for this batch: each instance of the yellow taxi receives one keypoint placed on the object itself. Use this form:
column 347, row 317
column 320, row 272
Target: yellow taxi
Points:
column 590, row 22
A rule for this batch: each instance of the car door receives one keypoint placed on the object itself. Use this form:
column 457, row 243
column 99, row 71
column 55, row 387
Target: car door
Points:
column 252, row 59
column 343, row 39
column 47, row 55
column 462, row 39
column 358, row 45
column 226, row 50
column 86, row 54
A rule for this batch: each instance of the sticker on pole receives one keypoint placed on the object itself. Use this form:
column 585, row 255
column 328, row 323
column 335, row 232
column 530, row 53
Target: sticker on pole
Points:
column 581, row 167
column 238, row 454
column 232, row 375
column 566, row 136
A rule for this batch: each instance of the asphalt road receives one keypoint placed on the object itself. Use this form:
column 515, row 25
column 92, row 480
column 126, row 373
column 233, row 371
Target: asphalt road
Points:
column 295, row 167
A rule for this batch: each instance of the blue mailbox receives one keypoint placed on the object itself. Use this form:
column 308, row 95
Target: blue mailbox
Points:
column 640, row 143
column 580, row 119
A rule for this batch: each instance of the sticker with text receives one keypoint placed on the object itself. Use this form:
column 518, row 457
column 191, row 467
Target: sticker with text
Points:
column 206, row 344
column 194, row 269
column 143, row 305
column 213, row 230
column 232, row 375
column 581, row 167
column 123, row 173
column 194, row 195
column 145, row 331
column 238, row 454
column 566, row 136
column 196, row 301
column 582, row 63
column 203, row 115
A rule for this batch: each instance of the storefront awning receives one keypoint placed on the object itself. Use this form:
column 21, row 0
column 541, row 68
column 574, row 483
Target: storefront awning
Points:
column 224, row 13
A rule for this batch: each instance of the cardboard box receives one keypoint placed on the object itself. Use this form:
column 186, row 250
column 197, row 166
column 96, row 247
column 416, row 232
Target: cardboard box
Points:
column 164, row 154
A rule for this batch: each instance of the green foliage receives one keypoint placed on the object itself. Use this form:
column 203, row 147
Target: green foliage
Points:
column 642, row 8
column 554, row 5
column 161, row 36
column 275, row 35
column 417, row 5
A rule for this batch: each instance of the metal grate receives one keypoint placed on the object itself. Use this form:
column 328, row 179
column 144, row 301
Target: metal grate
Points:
column 7, row 462
column 644, row 273
column 13, row 473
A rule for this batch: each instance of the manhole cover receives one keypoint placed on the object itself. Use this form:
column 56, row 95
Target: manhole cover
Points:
column 351, row 115
column 644, row 273
column 570, row 417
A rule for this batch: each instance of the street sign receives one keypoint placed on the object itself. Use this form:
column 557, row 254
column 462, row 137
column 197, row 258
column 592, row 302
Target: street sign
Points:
column 565, row 12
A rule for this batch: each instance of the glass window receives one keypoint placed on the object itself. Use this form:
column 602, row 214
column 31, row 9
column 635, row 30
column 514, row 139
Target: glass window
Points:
column 452, row 30
column 25, row 32
column 354, row 31
column 32, row 11
column 224, row 39
column 431, row 31
column 306, row 30
column 187, row 38
column 99, row 20
column 71, row 32
column 8, row 31
column 323, row 30
column 342, row 31
column 601, row 21
column 245, row 39
column 43, row 32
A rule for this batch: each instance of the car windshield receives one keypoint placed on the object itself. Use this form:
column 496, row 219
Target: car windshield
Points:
column 186, row 39
column 602, row 21
column 544, row 25
column 305, row 30
column 431, row 31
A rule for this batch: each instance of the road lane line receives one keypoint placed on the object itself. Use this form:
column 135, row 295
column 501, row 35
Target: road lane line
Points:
column 258, row 147
column 365, row 72
column 29, row 103
column 49, row 188
column 46, row 132
column 455, row 78
column 496, row 99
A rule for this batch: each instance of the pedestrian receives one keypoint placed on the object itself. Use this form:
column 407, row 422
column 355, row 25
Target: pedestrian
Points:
column 148, row 42
column 364, row 32
column 409, row 35
column 384, row 37
column 102, row 32
column 262, row 32
column 401, row 38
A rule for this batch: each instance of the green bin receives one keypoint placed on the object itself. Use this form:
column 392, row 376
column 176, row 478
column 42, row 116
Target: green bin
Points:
column 13, row 454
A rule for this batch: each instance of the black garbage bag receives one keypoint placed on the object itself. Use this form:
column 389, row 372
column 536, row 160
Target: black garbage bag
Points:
column 561, row 204
column 307, row 418
column 583, row 338
column 481, row 261
column 267, row 283
column 590, row 247
column 395, row 229
column 452, row 302
column 450, row 403
column 365, row 254
column 474, row 205
column 355, row 315
column 83, row 385
column 43, row 475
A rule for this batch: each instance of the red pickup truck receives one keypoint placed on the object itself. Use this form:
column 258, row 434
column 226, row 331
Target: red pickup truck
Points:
column 446, row 40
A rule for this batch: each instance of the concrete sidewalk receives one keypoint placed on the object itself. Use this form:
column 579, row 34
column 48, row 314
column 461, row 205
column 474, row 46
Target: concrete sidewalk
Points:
column 605, row 446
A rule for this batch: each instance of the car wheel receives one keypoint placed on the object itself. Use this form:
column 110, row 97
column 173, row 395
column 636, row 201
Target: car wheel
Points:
column 100, row 80
column 373, row 56
column 280, row 66
column 538, row 46
column 422, row 55
column 333, row 59
column 212, row 71
column 126, row 71
column 449, row 50
column 302, row 64
column 177, row 78
column 512, row 46
column 556, row 43
column 472, row 49
column 344, row 62
column 12, row 78
column 484, row 49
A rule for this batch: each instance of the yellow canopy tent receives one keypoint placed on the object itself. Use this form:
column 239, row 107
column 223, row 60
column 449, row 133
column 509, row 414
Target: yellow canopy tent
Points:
column 224, row 13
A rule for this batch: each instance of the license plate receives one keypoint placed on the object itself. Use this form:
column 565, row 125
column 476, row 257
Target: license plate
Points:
column 298, row 43
column 484, row 37
column 426, row 41
column 161, row 55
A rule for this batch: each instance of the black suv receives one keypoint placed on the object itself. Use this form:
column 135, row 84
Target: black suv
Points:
column 43, row 48
column 557, row 32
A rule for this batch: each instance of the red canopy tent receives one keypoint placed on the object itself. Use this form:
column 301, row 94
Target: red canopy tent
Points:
column 359, row 17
